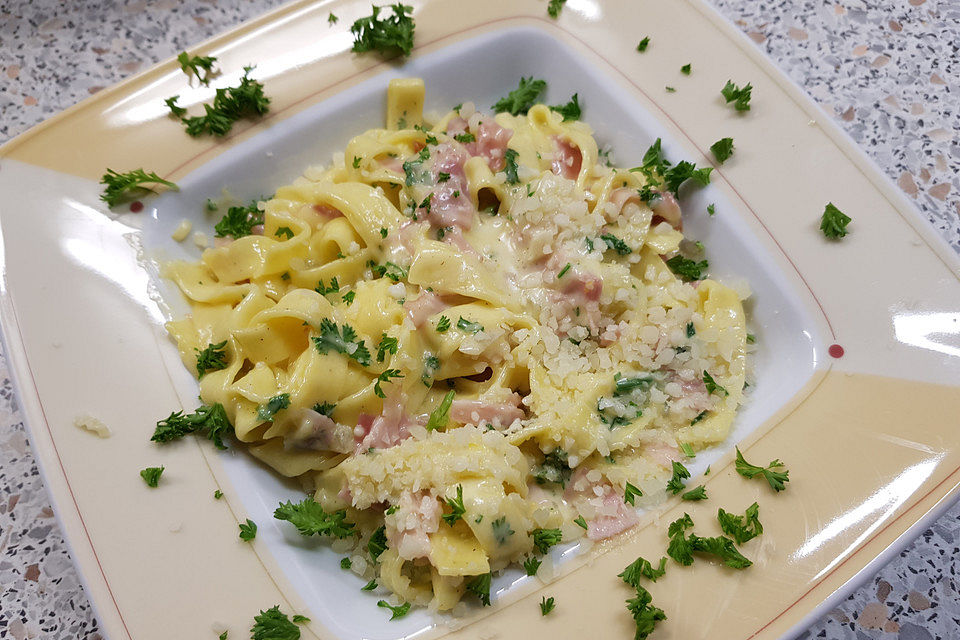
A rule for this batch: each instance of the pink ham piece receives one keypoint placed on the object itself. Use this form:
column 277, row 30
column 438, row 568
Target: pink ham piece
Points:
column 667, row 208
column 449, row 205
column 327, row 212
column 424, row 306
column 408, row 529
column 582, row 288
column 479, row 412
column 616, row 516
column 391, row 163
column 491, row 143
column 256, row 230
column 456, row 125
column 663, row 454
column 567, row 159
column 387, row 430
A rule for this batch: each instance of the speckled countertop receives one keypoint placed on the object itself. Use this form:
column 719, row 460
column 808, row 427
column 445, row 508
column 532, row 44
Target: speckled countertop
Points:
column 887, row 70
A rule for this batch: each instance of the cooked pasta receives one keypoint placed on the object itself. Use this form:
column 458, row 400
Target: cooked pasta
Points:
column 467, row 336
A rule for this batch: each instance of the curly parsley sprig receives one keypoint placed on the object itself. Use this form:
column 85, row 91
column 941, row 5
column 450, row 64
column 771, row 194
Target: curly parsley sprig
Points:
column 119, row 186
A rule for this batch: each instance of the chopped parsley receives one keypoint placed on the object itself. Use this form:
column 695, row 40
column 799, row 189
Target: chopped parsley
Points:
column 443, row 324
column 685, row 69
column 741, row 528
column 431, row 364
column 370, row 586
column 643, row 44
column 615, row 243
column 384, row 232
column 299, row 619
column 687, row 450
column 413, row 170
column 833, row 222
column 691, row 330
column 682, row 547
column 121, row 185
column 332, row 19
column 712, row 386
column 239, row 221
column 510, row 167
column 645, row 615
column 641, row 568
column 469, row 327
column 700, row 416
column 722, row 149
column 554, row 468
column 531, row 565
column 377, row 543
column 178, row 112
column 323, row 290
column 212, row 358
column 480, row 587
column 439, row 416
column 345, row 563
column 563, row 271
column 554, row 7
column 711, row 209
column 456, row 507
column 390, row 36
column 683, row 171
column 276, row 404
column 699, row 493
column 675, row 484
column 387, row 345
column 670, row 89
column 776, row 479
column 625, row 386
column 441, row 177
column 212, row 419
column 273, row 624
column 284, row 231
column 151, row 475
column 217, row 494
column 546, row 605
column 686, row 268
column 344, row 342
column 392, row 271
column 229, row 105
column 739, row 96
column 399, row 611
column 248, row 530
column 191, row 65
column 310, row 519
column 543, row 539
column 570, row 110
column 348, row 297
column 631, row 493
column 464, row 138
column 501, row 530
column 386, row 376
column 522, row 98
column 580, row 522
column 751, row 339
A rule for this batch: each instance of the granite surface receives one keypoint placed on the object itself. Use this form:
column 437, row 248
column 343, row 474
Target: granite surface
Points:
column 887, row 70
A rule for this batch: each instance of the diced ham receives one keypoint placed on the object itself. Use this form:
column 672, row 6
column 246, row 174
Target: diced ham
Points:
column 456, row 125
column 621, row 199
column 316, row 431
column 667, row 208
column 480, row 412
column 327, row 212
column 615, row 516
column 567, row 159
column 424, row 306
column 256, row 230
column 455, row 237
column 386, row 430
column 408, row 529
column 491, row 143
column 663, row 454
column 582, row 287
column 391, row 163
column 450, row 205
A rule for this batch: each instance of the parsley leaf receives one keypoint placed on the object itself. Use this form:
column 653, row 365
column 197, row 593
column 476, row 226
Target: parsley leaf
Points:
column 686, row 268
column 385, row 377
column 480, row 587
column 563, row 271
column 310, row 519
column 741, row 528
column 387, row 345
column 641, row 568
column 675, row 485
column 469, row 327
column 392, row 271
column 398, row 611
column 370, row 586
column 299, row 619
column 631, row 493
column 176, row 110
column 643, row 44
column 332, row 19
column 345, row 563
column 323, row 290
column 284, row 231
column 431, row 364
column 712, row 386
column 121, row 185
column 272, row 624
column 722, row 149
column 348, row 297
column 440, row 415
column 569, row 111
column 615, row 243
column 553, row 10
column 276, row 404
column 377, row 543
column 685, row 69
column 580, row 522
column 676, row 175
column 699, row 493
column 151, row 475
column 325, row 408
column 711, row 209
column 229, row 105
column 739, row 96
column 645, row 615
column 390, row 36
column 501, row 530
column 212, row 419
column 531, row 565
column 465, row 137
column 776, row 479
column 624, row 386
column 833, row 222
column 456, row 507
column 212, row 358
column 248, row 530
column 691, row 330
column 510, row 167
column 217, row 494
column 239, row 221
column 522, row 98
column 344, row 342
column 543, row 539
column 546, row 605
column 191, row 65
column 554, row 468
column 682, row 548
column 443, row 324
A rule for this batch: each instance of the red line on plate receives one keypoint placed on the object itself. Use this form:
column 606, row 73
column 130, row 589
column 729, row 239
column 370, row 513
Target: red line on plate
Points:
column 46, row 423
